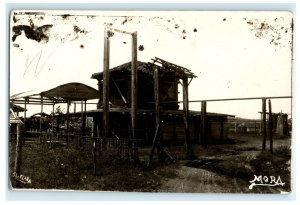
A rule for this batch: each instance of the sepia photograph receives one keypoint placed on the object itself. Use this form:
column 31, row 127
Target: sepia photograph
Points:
column 151, row 101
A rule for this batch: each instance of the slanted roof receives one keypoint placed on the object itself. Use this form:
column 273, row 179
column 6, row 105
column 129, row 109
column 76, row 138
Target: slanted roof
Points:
column 16, row 108
column 60, row 94
column 73, row 92
column 149, row 67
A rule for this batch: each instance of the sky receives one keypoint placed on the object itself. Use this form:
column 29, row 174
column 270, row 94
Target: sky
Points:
column 233, row 54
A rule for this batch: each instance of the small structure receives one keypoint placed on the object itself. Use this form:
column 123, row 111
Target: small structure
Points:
column 66, row 93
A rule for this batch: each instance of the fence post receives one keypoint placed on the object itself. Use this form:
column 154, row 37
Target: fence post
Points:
column 203, row 123
column 264, row 124
column 271, row 126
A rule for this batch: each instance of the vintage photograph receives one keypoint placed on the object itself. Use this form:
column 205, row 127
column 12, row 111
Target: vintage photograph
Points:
column 151, row 101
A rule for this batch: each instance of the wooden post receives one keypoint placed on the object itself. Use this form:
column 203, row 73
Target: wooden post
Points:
column 85, row 118
column 74, row 107
column 189, row 150
column 82, row 120
column 157, row 113
column 68, row 113
column 17, row 155
column 235, row 126
column 25, row 107
column 270, row 126
column 42, row 104
column 40, row 134
column 105, row 120
column 203, row 124
column 134, row 80
column 264, row 124
column 52, row 134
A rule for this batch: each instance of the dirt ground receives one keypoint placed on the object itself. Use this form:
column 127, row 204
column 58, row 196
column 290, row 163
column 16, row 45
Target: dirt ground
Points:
column 223, row 168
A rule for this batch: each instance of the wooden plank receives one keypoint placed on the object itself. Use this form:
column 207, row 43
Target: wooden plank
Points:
column 264, row 124
column 270, row 126
column 106, row 85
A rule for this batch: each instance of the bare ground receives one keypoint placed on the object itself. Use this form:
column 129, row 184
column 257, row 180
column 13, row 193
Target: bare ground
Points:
column 224, row 168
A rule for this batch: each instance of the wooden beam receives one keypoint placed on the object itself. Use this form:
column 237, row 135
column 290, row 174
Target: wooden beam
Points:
column 157, row 114
column 105, row 120
column 52, row 134
column 270, row 126
column 25, row 108
column 188, row 146
column 134, row 87
column 82, row 120
column 42, row 105
column 153, row 144
column 203, row 124
column 264, row 124
column 17, row 155
column 68, row 115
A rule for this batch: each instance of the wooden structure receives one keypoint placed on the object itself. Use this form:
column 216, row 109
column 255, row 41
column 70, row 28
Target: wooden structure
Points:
column 66, row 93
column 159, row 120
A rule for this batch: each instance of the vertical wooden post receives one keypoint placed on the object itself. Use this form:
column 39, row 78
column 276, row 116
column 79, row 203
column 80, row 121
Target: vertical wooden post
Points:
column 52, row 134
column 25, row 108
column 270, row 126
column 105, row 120
column 157, row 113
column 185, row 93
column 264, row 124
column 134, row 80
column 17, row 155
column 82, row 120
column 254, row 126
column 68, row 113
column 203, row 124
column 42, row 105
column 74, row 107
column 85, row 118
column 235, row 125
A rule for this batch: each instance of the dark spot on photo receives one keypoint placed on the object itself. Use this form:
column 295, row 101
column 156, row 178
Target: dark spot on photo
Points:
column 224, row 19
column 81, row 46
column 16, row 45
column 65, row 16
column 110, row 34
column 141, row 47
column 176, row 26
column 14, row 19
column 124, row 42
column 195, row 30
column 38, row 34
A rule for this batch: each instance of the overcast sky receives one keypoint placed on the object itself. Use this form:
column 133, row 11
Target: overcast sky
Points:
column 234, row 54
